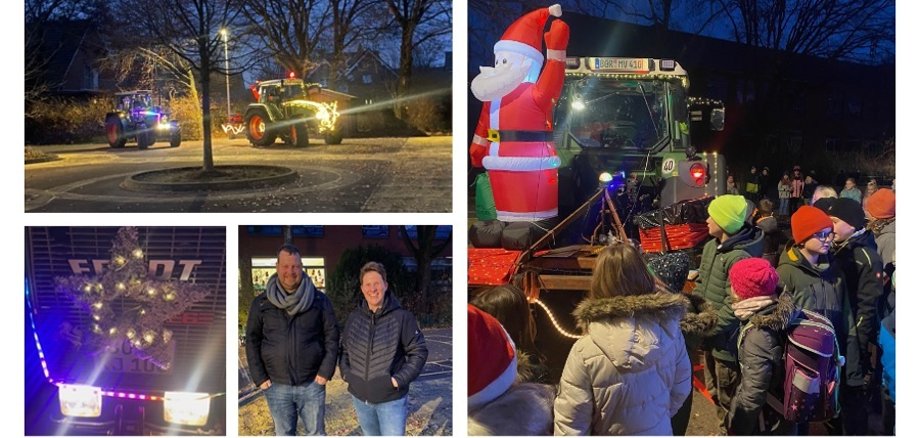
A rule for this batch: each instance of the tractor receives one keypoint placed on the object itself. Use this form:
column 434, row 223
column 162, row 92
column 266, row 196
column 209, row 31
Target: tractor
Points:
column 136, row 117
column 287, row 108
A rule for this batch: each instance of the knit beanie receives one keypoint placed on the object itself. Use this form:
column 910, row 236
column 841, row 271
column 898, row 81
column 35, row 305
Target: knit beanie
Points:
column 753, row 277
column 729, row 212
column 881, row 204
column 824, row 204
column 491, row 358
column 849, row 211
column 672, row 268
column 807, row 221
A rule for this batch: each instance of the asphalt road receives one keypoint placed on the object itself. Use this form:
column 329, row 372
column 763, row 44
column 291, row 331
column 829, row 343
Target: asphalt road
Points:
column 360, row 175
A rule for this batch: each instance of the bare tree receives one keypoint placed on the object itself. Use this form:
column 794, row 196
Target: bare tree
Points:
column 418, row 21
column 424, row 249
column 290, row 30
column 348, row 17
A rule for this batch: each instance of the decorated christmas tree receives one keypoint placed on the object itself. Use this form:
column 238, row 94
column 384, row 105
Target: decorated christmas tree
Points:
column 125, row 303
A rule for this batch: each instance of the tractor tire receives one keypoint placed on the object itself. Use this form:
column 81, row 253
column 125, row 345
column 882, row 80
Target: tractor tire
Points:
column 299, row 136
column 145, row 138
column 334, row 137
column 259, row 130
column 115, row 132
column 175, row 139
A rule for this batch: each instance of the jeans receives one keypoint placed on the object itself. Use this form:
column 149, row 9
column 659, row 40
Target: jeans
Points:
column 784, row 206
column 286, row 403
column 387, row 418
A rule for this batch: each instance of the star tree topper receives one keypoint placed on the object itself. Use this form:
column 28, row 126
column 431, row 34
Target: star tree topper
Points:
column 126, row 303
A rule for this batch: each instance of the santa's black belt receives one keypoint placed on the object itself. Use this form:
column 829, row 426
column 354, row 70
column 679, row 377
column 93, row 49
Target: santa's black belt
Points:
column 506, row 136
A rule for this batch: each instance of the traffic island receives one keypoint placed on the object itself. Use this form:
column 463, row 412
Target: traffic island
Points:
column 193, row 179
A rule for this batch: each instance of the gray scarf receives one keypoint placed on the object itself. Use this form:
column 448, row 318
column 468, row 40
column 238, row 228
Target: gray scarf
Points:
column 293, row 303
column 745, row 309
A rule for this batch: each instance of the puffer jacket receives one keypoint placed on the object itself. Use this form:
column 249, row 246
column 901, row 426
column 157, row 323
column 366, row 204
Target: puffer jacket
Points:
column 525, row 409
column 760, row 357
column 884, row 238
column 712, row 284
column 862, row 268
column 291, row 350
column 818, row 288
column 631, row 373
column 377, row 346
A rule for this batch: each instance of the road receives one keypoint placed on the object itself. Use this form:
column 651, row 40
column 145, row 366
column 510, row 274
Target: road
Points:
column 360, row 175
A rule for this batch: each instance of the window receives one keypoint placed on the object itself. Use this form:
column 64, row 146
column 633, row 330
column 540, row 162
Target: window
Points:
column 442, row 233
column 367, row 79
column 375, row 231
column 264, row 267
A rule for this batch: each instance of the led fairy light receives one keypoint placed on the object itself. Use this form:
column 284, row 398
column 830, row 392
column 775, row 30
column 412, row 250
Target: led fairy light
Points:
column 555, row 322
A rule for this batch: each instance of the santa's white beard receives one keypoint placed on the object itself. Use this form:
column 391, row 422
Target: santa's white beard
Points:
column 492, row 83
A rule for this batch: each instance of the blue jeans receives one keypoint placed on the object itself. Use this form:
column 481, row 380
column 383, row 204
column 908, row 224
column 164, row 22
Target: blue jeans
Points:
column 784, row 206
column 286, row 403
column 387, row 418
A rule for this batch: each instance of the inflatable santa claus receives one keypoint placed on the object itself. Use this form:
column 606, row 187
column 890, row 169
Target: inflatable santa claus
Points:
column 514, row 137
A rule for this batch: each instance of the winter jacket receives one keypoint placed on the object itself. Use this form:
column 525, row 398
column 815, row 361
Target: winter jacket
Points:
column 762, row 342
column 854, row 194
column 818, row 288
column 380, row 345
column 712, row 284
column 784, row 190
column 773, row 239
column 631, row 373
column 698, row 323
column 798, row 186
column 862, row 268
column 809, row 190
column 887, row 343
column 884, row 238
column 291, row 350
column 752, row 187
column 525, row 409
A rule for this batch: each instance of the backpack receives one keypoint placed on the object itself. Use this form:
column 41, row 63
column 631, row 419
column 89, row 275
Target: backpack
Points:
column 813, row 363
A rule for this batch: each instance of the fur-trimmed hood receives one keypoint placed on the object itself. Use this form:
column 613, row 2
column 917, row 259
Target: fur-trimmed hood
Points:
column 526, row 409
column 632, row 331
column 700, row 319
column 775, row 316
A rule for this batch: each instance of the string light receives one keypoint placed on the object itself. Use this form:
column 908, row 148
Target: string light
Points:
column 555, row 322
column 137, row 253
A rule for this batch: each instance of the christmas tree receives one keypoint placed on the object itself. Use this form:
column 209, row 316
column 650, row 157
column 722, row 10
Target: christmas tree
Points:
column 125, row 303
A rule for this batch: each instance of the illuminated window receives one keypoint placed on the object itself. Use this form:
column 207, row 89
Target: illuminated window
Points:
column 264, row 267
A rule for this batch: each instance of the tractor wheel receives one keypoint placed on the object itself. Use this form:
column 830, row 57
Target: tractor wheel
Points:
column 334, row 137
column 258, row 129
column 144, row 137
column 299, row 136
column 115, row 132
column 175, row 139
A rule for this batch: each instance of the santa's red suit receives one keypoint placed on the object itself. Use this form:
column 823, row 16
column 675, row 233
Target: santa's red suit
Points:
column 513, row 139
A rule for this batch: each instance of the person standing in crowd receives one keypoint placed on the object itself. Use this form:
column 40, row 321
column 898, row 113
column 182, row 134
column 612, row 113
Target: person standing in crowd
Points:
column 851, row 191
column 752, row 185
column 871, row 188
column 761, row 347
column 822, row 192
column 765, row 184
column 292, row 341
column 856, row 253
column 809, row 189
column 383, row 351
column 784, row 189
column 733, row 240
column 798, row 189
column 880, row 208
column 499, row 402
column 630, row 373
column 773, row 238
column 509, row 306
column 730, row 187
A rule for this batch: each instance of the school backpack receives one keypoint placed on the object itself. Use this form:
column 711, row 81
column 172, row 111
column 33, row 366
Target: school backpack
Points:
column 812, row 369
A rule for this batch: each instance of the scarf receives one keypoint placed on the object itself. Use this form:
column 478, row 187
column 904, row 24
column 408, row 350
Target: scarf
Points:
column 293, row 303
column 745, row 309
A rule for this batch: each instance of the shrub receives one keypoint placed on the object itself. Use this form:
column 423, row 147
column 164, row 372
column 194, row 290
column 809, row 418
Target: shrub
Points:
column 430, row 114
column 66, row 121
column 343, row 287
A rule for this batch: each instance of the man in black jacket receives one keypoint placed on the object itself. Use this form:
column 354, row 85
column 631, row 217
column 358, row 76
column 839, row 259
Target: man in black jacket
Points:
column 383, row 350
column 291, row 344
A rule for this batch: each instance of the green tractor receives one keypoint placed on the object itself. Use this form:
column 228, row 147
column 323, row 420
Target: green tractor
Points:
column 288, row 108
column 136, row 117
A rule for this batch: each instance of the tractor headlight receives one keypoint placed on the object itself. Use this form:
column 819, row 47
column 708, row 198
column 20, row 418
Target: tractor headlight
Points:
column 188, row 408
column 80, row 400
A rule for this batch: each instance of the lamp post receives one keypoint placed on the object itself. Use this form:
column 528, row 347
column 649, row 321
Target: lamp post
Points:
column 224, row 34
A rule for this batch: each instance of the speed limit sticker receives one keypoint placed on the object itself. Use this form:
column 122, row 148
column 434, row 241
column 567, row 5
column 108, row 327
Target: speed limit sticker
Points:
column 668, row 165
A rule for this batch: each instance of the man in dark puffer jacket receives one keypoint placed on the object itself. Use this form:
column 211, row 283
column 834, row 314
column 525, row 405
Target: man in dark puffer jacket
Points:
column 383, row 351
column 291, row 344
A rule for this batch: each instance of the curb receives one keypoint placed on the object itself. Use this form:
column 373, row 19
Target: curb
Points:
column 138, row 183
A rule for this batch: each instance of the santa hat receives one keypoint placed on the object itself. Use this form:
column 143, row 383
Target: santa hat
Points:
column 753, row 277
column 808, row 220
column 881, row 204
column 525, row 35
column 491, row 358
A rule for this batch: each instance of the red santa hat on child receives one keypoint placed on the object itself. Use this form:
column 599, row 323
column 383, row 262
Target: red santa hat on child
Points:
column 491, row 358
column 525, row 35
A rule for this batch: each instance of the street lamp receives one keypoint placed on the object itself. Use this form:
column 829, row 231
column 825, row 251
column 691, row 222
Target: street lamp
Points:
column 224, row 33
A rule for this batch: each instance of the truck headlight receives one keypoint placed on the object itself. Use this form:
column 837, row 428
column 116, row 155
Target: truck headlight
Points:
column 80, row 400
column 188, row 408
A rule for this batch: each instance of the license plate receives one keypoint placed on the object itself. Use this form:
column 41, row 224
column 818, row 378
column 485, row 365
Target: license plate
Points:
column 125, row 360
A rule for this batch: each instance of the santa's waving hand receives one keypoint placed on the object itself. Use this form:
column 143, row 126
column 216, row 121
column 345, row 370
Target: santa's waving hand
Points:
column 513, row 139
